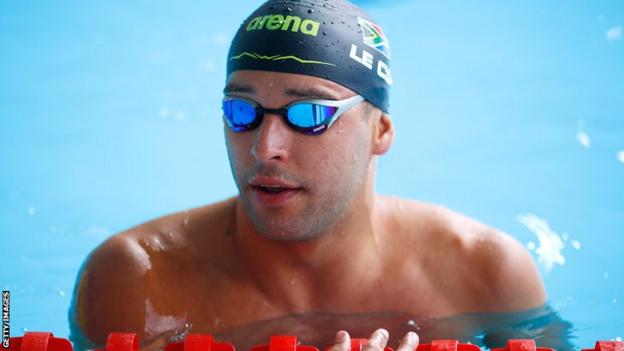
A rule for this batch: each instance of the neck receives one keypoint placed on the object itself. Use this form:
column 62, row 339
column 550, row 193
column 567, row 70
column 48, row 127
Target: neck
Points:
column 315, row 274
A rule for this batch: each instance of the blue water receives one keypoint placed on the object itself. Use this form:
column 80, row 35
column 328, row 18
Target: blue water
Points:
column 512, row 113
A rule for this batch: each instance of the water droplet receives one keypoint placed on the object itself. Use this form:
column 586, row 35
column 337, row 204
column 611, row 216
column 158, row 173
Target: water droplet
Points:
column 576, row 244
column 583, row 139
column 620, row 156
column 310, row 11
column 288, row 9
column 411, row 323
column 180, row 335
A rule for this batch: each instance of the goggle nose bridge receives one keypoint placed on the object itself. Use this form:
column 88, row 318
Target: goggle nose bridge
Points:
column 261, row 111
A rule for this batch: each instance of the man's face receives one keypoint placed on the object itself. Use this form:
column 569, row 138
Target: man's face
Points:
column 323, row 174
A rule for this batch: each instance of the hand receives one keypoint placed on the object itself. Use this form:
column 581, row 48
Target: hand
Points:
column 377, row 341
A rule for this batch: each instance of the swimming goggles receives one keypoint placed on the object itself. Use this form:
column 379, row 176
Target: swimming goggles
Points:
column 310, row 117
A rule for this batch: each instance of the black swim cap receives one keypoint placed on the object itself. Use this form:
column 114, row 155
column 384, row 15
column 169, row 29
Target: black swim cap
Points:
column 334, row 40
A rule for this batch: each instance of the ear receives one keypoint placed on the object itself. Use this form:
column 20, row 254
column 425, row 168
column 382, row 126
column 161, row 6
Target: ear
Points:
column 383, row 134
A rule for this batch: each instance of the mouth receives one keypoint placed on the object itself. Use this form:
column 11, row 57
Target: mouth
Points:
column 272, row 189
column 273, row 193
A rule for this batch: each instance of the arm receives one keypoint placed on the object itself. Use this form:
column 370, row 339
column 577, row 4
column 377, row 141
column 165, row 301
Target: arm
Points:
column 516, row 287
column 109, row 294
column 512, row 278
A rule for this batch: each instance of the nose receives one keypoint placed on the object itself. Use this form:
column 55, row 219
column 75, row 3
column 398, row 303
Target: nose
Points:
column 273, row 139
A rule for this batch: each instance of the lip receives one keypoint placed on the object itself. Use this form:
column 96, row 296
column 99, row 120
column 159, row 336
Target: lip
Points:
column 270, row 181
column 273, row 199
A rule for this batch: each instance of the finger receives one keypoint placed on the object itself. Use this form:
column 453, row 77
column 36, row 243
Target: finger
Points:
column 342, row 342
column 377, row 341
column 409, row 342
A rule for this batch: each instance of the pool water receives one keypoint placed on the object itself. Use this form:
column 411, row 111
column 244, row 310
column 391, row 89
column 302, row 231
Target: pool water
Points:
column 511, row 113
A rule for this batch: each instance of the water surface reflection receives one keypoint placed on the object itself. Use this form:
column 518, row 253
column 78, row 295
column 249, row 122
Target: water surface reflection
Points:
column 485, row 330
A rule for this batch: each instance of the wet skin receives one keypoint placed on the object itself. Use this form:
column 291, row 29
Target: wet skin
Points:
column 330, row 253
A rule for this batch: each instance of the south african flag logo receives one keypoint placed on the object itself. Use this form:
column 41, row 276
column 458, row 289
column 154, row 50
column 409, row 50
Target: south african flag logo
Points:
column 374, row 36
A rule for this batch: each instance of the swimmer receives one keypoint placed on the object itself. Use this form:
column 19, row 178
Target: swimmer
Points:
column 306, row 247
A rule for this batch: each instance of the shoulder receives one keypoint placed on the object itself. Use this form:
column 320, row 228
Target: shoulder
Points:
column 109, row 294
column 507, row 275
column 126, row 273
column 493, row 270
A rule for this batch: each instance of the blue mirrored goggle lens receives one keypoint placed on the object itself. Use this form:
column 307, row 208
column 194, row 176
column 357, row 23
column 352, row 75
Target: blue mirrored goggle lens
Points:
column 308, row 118
column 239, row 114
column 310, row 115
